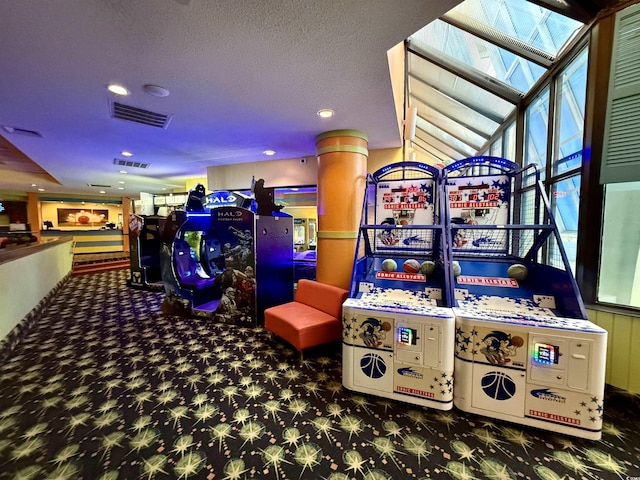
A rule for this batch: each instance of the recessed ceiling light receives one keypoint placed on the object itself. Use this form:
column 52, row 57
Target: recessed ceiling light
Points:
column 269, row 152
column 123, row 172
column 126, row 154
column 41, row 189
column 120, row 188
column 117, row 89
column 121, row 182
column 164, row 188
column 325, row 113
column 102, row 191
column 156, row 90
column 33, row 185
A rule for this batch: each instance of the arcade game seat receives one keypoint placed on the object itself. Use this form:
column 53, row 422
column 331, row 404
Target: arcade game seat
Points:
column 187, row 267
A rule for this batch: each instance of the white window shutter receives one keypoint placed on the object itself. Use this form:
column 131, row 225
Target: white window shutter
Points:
column 621, row 149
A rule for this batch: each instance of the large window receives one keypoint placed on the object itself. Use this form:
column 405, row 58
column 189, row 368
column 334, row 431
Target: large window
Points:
column 571, row 91
column 564, row 184
column 620, row 256
column 536, row 121
column 561, row 173
column 565, row 202
column 509, row 142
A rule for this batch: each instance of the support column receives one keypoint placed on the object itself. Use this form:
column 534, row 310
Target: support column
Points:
column 342, row 178
column 126, row 211
column 34, row 213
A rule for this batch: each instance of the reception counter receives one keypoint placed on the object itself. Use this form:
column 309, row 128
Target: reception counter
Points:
column 28, row 275
column 91, row 241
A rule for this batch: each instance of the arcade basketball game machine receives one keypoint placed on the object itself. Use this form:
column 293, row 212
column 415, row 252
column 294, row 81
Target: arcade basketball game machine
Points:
column 397, row 330
column 524, row 349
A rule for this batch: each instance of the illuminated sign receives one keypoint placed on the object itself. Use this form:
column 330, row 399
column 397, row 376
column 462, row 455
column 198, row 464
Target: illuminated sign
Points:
column 545, row 354
column 223, row 198
column 1, row 207
column 407, row 336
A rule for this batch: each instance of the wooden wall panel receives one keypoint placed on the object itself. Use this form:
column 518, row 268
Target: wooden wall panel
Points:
column 623, row 361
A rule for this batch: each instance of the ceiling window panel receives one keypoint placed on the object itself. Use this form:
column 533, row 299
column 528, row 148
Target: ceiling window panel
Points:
column 518, row 21
column 449, row 125
column 520, row 77
column 485, row 57
column 445, row 137
column 432, row 153
column 425, row 138
column 422, row 94
column 460, row 90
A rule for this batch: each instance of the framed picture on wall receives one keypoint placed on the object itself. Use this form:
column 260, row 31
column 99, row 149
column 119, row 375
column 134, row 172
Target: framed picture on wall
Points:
column 76, row 217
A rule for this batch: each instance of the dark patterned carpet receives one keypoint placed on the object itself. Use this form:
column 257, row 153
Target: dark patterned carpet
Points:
column 106, row 387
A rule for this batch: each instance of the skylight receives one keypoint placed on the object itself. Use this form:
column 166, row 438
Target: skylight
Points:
column 468, row 70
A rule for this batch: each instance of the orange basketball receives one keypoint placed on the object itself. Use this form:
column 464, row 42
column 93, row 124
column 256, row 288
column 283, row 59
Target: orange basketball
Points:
column 517, row 341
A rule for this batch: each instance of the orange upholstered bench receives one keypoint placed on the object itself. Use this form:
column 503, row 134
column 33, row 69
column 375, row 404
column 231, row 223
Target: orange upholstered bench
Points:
column 313, row 318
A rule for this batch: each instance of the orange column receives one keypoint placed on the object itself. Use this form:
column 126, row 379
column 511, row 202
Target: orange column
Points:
column 342, row 179
column 126, row 211
column 34, row 213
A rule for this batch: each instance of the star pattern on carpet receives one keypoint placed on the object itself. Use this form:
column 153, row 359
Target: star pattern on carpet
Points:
column 104, row 386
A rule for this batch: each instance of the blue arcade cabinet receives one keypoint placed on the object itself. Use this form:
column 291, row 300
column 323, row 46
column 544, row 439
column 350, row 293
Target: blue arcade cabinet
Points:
column 144, row 251
column 228, row 262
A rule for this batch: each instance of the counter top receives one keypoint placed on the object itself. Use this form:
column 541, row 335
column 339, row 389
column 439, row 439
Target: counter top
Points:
column 14, row 253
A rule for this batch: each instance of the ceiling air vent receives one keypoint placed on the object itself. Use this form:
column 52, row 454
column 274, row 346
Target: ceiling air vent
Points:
column 97, row 185
column 129, row 163
column 21, row 131
column 138, row 115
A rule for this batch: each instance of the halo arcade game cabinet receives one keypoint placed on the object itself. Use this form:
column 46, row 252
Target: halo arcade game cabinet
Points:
column 397, row 332
column 524, row 349
column 229, row 263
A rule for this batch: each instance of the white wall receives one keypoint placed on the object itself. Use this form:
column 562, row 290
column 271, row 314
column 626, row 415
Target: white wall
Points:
column 27, row 280
column 285, row 173
column 276, row 173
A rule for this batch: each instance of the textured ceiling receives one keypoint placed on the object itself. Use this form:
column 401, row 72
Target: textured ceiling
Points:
column 244, row 76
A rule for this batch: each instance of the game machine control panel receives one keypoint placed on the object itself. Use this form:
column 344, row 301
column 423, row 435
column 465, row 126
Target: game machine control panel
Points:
column 402, row 352
column 418, row 344
column 546, row 372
